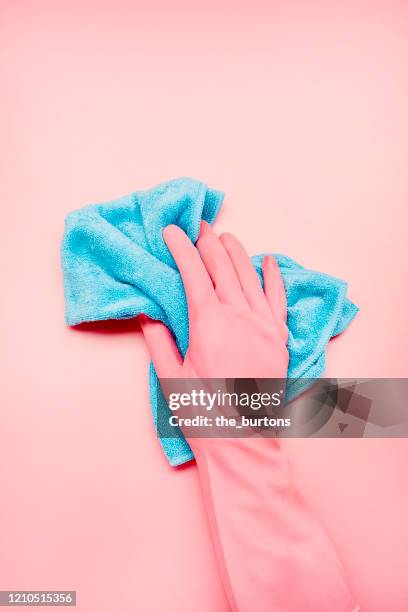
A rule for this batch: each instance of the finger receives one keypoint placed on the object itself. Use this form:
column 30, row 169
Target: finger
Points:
column 162, row 347
column 197, row 283
column 275, row 293
column 219, row 266
column 248, row 278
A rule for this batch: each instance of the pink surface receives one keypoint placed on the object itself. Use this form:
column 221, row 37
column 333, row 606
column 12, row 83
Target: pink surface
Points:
column 298, row 112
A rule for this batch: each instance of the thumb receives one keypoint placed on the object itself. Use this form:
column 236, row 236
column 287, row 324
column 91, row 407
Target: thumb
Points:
column 162, row 347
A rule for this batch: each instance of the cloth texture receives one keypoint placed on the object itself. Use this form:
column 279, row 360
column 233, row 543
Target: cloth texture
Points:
column 116, row 265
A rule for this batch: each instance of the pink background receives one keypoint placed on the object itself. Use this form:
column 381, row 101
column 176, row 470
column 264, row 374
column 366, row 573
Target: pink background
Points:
column 298, row 111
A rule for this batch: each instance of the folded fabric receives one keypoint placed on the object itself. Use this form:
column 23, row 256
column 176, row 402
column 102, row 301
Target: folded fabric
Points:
column 116, row 266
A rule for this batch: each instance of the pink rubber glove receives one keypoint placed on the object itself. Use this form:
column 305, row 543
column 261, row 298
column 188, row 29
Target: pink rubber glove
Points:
column 272, row 552
column 234, row 331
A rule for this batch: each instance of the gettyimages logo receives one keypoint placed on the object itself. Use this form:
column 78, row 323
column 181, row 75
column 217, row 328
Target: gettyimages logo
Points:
column 329, row 408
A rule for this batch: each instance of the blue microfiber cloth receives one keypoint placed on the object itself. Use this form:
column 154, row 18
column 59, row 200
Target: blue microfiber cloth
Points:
column 116, row 265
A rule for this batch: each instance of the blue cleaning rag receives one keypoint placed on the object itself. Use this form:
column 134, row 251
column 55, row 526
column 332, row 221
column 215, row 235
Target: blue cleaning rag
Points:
column 116, row 266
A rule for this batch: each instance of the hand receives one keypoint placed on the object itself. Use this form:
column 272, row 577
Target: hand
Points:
column 237, row 329
column 272, row 552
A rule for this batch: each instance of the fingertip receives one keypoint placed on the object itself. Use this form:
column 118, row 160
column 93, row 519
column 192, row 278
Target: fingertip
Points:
column 270, row 262
column 169, row 230
column 141, row 318
column 227, row 237
column 197, row 284
column 265, row 263
column 146, row 322
column 205, row 229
